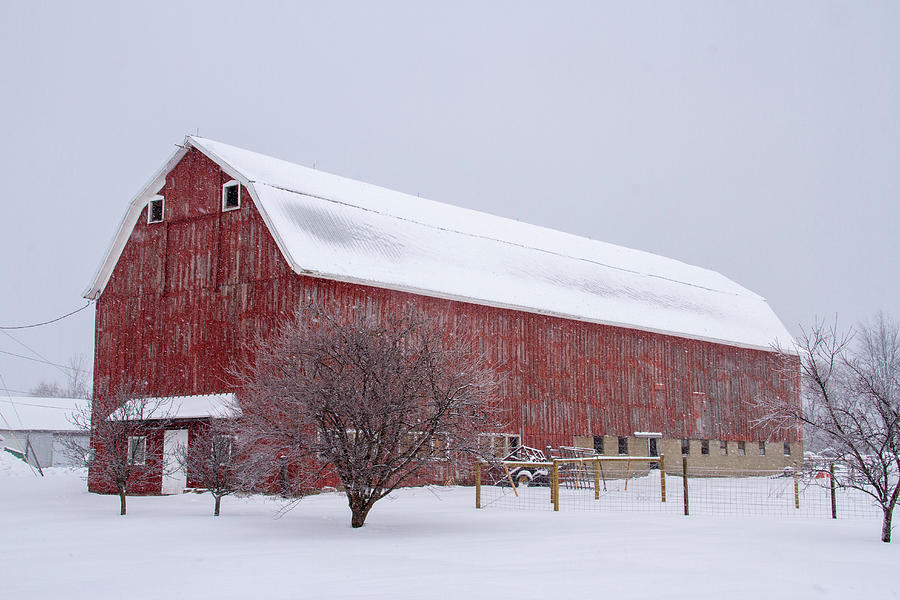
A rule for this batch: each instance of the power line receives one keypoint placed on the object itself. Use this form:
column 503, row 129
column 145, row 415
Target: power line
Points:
column 36, row 353
column 19, row 402
column 46, row 362
column 69, row 314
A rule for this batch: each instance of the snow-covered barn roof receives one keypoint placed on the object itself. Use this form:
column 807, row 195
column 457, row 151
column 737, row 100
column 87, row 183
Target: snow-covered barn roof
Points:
column 27, row 413
column 337, row 228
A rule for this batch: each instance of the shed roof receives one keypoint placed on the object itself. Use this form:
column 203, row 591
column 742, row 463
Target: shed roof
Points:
column 338, row 228
column 200, row 406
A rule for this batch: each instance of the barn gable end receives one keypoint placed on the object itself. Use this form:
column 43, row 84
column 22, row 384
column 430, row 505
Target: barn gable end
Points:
column 185, row 291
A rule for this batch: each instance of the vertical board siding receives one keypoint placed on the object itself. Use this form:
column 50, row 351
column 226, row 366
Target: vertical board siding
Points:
column 188, row 292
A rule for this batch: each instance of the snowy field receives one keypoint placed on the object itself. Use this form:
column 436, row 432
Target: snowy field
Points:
column 61, row 542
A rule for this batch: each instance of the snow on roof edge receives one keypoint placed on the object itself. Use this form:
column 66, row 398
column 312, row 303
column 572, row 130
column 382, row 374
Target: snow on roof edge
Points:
column 120, row 239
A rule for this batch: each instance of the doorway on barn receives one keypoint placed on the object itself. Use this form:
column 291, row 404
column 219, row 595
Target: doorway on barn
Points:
column 174, row 477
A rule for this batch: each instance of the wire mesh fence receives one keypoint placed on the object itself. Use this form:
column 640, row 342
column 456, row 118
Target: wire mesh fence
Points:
column 648, row 484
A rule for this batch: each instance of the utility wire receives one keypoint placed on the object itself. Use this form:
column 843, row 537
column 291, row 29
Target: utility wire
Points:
column 69, row 314
column 20, row 403
column 43, row 358
column 46, row 362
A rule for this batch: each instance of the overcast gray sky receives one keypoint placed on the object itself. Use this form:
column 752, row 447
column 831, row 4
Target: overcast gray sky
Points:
column 761, row 140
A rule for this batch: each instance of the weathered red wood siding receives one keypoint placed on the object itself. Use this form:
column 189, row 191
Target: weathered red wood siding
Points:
column 187, row 292
column 560, row 378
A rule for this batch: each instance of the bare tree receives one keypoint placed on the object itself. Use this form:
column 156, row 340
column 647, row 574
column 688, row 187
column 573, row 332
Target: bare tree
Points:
column 376, row 401
column 121, row 423
column 48, row 389
column 209, row 460
column 79, row 379
column 851, row 389
column 78, row 382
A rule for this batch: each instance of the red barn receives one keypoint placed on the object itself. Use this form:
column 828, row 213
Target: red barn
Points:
column 593, row 342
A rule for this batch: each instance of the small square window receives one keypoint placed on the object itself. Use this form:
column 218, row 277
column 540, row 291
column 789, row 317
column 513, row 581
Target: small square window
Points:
column 704, row 446
column 231, row 196
column 623, row 445
column 137, row 450
column 742, row 448
column 221, row 449
column 787, row 448
column 685, row 447
column 598, row 444
column 723, row 448
column 441, row 446
column 762, row 448
column 156, row 209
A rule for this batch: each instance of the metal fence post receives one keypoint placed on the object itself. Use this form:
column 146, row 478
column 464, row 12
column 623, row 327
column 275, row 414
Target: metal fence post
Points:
column 833, row 497
column 684, row 481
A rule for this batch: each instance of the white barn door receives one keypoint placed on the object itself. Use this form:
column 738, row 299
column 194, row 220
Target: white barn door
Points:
column 174, row 478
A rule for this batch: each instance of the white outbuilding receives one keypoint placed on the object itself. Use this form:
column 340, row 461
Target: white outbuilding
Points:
column 42, row 430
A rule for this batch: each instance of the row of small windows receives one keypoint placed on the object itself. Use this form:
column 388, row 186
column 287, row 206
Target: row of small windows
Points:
column 231, row 200
column 622, row 445
column 723, row 448
column 686, row 447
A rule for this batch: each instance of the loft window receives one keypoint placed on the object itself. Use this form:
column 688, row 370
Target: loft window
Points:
column 762, row 448
column 623, row 445
column 231, row 196
column 704, row 447
column 156, row 209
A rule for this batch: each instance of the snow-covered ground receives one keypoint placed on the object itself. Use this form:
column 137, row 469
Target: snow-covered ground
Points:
column 61, row 542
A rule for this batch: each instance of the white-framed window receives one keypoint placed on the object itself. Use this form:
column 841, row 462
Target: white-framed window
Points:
column 137, row 449
column 221, row 449
column 156, row 209
column 440, row 443
column 499, row 445
column 231, row 196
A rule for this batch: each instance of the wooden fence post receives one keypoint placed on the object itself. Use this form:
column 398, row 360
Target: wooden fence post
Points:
column 796, row 487
column 477, row 484
column 555, row 484
column 662, row 476
column 833, row 497
column 597, row 479
column 684, row 481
